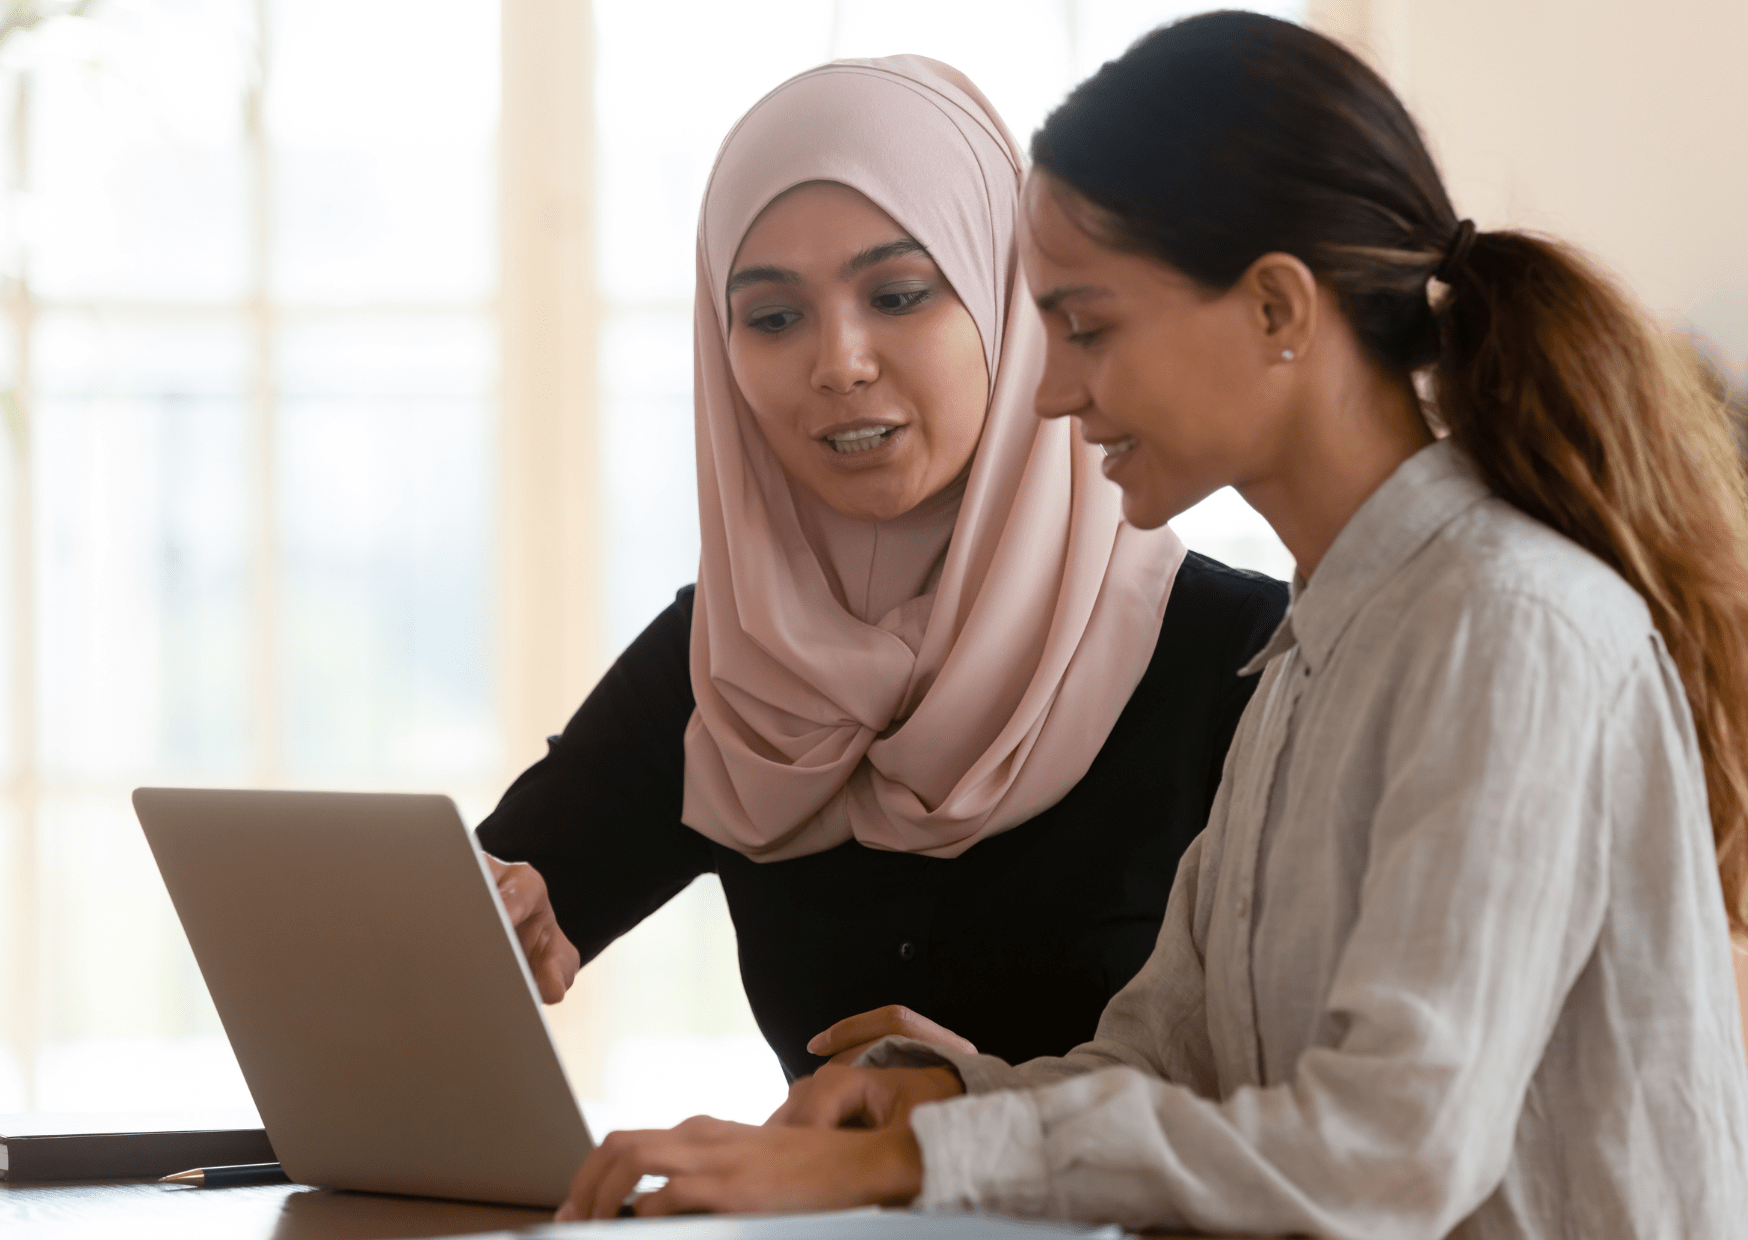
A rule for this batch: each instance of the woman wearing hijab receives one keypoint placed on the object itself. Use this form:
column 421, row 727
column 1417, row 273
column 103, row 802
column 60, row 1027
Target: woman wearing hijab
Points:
column 1451, row 958
column 941, row 722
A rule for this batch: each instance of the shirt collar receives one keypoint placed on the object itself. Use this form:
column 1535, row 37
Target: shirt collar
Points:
column 1427, row 492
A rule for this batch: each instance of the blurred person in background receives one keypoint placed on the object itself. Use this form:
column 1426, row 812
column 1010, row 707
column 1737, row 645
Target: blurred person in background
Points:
column 1452, row 957
column 939, row 719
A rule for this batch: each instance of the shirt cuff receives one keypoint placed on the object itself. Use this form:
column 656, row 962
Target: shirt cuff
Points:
column 983, row 1153
column 980, row 1074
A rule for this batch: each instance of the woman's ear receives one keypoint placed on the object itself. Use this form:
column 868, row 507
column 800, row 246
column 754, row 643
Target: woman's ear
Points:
column 1284, row 293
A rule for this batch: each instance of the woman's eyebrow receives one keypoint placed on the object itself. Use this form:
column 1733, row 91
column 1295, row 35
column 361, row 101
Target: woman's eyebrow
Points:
column 746, row 277
column 874, row 254
column 1070, row 292
column 880, row 253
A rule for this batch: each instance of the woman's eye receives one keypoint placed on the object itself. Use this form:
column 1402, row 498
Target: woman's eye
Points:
column 772, row 321
column 897, row 301
column 1081, row 334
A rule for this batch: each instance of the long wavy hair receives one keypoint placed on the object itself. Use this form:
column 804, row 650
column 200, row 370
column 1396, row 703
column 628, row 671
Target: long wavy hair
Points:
column 1230, row 135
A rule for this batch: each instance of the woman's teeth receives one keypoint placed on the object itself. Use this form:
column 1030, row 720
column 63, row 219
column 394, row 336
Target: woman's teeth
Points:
column 860, row 441
column 1117, row 447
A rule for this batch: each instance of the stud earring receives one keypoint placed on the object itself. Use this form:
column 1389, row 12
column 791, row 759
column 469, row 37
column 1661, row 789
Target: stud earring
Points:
column 1287, row 355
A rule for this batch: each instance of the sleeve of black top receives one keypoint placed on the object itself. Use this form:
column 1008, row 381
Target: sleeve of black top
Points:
column 1261, row 602
column 599, row 815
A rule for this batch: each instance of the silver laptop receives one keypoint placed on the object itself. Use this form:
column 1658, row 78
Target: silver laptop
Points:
column 372, row 989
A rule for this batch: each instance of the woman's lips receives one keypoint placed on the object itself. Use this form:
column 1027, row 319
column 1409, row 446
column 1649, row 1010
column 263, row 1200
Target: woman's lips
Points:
column 861, row 440
column 863, row 446
column 1117, row 454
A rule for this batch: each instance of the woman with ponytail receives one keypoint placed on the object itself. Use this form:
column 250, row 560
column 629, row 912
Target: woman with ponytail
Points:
column 1452, row 956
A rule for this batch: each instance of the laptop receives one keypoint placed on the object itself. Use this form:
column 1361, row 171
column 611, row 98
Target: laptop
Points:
column 372, row 989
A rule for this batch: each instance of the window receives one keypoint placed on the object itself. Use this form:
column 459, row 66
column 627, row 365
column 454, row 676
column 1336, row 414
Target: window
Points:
column 249, row 272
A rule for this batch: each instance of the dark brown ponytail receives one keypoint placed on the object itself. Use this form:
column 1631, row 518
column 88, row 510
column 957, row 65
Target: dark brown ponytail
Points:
column 1228, row 136
column 1584, row 416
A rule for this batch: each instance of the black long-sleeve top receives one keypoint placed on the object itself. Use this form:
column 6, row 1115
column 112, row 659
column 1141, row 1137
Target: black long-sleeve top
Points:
column 1016, row 944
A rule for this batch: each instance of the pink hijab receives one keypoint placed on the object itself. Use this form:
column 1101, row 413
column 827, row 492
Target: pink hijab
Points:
column 922, row 683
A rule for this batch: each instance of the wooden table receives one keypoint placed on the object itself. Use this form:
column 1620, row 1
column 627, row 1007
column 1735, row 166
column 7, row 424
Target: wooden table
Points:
column 148, row 1210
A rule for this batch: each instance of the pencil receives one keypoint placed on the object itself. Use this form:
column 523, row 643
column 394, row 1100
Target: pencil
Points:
column 229, row 1177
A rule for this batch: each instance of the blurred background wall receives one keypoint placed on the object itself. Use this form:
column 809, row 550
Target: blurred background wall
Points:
column 346, row 377
column 1620, row 125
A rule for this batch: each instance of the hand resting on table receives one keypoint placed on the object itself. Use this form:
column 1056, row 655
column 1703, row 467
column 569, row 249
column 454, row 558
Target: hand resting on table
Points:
column 551, row 957
column 716, row 1166
column 720, row 1167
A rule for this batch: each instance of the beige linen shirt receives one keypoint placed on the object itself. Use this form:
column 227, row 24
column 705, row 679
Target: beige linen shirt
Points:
column 1451, row 956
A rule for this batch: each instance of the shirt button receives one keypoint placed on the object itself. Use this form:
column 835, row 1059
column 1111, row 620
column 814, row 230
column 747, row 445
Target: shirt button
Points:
column 1244, row 906
column 907, row 951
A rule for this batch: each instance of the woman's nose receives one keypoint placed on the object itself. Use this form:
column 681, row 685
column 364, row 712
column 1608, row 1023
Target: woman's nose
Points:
column 1058, row 394
column 846, row 358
